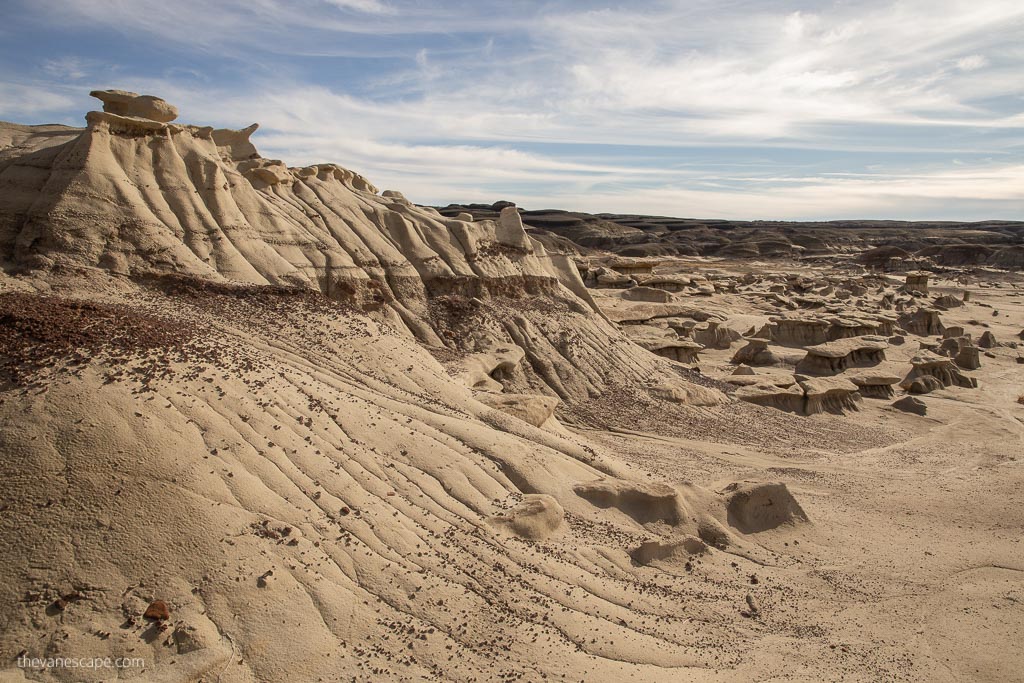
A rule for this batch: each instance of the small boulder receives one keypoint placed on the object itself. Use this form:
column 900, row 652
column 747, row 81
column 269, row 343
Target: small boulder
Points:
column 753, row 507
column 909, row 404
column 158, row 611
column 537, row 518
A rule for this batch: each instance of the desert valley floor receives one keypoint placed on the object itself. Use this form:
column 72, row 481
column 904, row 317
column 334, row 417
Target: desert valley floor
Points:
column 261, row 423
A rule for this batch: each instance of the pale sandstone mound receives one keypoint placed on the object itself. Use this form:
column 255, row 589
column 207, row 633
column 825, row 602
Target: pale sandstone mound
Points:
column 756, row 507
column 687, row 393
column 644, row 503
column 678, row 550
column 644, row 293
column 537, row 518
column 534, row 409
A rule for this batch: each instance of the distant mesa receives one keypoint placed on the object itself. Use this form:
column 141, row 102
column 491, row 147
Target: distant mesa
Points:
column 124, row 103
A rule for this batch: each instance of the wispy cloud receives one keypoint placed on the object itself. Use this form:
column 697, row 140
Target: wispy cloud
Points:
column 860, row 107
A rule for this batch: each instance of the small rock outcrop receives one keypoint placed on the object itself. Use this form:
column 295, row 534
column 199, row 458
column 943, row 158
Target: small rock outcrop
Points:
column 680, row 550
column 932, row 371
column 754, row 507
column 788, row 398
column 909, row 404
column 531, row 408
column 924, row 322
column 755, row 353
column 874, row 384
column 834, row 357
column 799, row 331
column 987, row 340
column 649, row 294
column 835, row 395
column 536, row 518
column 917, row 281
column 947, row 301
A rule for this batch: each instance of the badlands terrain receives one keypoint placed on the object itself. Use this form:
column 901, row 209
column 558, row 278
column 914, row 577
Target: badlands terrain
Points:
column 266, row 423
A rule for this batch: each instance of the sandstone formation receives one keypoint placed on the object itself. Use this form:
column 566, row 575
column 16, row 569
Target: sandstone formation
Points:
column 755, row 353
column 911, row 404
column 124, row 103
column 643, row 293
column 927, row 367
column 834, row 357
column 923, row 322
column 874, row 384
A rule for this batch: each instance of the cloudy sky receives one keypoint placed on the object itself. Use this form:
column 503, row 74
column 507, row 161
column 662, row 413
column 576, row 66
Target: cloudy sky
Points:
column 705, row 108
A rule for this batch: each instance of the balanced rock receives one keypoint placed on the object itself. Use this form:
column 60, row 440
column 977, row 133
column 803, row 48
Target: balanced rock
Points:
column 537, row 518
column 829, row 395
column 833, row 357
column 124, row 103
column 754, row 353
column 874, row 384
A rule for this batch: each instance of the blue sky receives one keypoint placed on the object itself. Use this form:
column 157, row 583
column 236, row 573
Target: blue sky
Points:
column 729, row 108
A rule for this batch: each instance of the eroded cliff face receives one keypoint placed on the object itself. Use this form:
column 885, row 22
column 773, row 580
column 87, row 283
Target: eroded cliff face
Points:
column 137, row 197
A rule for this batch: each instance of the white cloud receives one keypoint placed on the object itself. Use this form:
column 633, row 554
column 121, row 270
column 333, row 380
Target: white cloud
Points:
column 971, row 63
column 974, row 194
column 20, row 102
column 467, row 82
column 68, row 68
column 371, row 6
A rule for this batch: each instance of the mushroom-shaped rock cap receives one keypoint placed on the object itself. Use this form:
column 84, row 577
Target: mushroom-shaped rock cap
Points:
column 124, row 103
